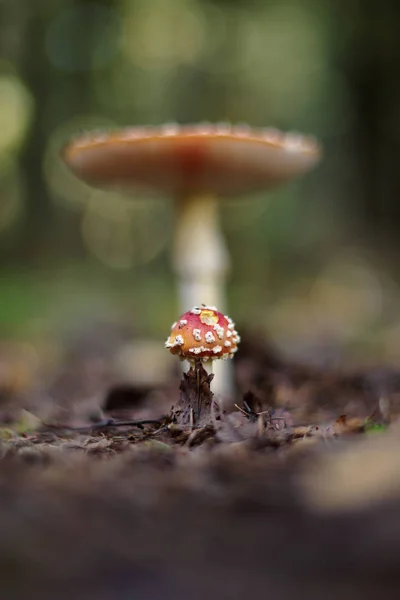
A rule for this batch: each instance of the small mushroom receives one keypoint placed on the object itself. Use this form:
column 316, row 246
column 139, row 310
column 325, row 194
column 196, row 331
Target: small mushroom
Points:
column 198, row 165
column 201, row 335
column 203, row 332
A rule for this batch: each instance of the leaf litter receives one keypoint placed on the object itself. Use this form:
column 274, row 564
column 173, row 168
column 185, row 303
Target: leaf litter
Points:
column 294, row 488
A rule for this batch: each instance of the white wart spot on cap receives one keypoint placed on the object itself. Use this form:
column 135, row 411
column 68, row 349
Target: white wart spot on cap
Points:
column 293, row 142
column 170, row 129
column 199, row 350
column 272, row 135
column 209, row 337
column 197, row 335
column 219, row 330
column 179, row 341
column 223, row 128
column 242, row 130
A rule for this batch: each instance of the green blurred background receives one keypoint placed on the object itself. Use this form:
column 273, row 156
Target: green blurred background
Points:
column 314, row 262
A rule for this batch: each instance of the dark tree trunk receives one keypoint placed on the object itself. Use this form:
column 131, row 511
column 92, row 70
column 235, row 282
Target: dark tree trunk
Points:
column 369, row 57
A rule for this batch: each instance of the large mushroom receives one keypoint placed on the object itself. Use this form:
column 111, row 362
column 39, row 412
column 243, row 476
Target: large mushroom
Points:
column 198, row 165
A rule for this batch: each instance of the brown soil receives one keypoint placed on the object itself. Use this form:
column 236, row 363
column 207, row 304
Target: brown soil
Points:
column 293, row 492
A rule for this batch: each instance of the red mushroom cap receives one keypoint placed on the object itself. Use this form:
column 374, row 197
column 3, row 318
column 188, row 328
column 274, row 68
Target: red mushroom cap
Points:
column 217, row 159
column 205, row 333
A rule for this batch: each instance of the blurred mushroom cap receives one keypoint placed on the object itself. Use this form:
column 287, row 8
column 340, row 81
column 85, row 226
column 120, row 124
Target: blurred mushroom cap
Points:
column 222, row 159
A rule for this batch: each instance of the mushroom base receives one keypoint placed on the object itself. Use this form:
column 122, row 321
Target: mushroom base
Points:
column 196, row 402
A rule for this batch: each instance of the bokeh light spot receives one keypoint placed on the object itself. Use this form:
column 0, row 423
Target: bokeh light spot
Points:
column 124, row 232
column 16, row 109
column 164, row 35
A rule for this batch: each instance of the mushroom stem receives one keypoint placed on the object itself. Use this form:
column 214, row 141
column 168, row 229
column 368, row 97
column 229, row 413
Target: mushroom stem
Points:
column 201, row 262
column 200, row 255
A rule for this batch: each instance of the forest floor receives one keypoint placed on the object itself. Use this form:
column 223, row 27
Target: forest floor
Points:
column 294, row 488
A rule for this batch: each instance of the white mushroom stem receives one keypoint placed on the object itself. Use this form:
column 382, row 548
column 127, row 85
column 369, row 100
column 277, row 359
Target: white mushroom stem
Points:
column 222, row 385
column 201, row 262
